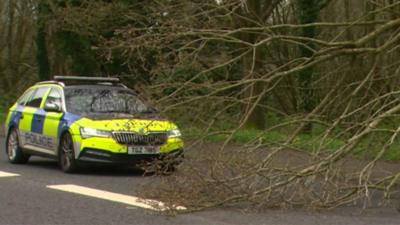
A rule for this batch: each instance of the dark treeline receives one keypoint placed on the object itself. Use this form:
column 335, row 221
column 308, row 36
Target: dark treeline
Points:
column 149, row 43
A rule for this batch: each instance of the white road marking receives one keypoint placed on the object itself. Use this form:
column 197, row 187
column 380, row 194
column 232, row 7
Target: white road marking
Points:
column 6, row 174
column 115, row 197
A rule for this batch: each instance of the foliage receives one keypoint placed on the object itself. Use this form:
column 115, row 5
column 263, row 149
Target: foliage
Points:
column 17, row 47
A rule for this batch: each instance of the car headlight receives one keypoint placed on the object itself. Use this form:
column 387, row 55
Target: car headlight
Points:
column 90, row 132
column 174, row 133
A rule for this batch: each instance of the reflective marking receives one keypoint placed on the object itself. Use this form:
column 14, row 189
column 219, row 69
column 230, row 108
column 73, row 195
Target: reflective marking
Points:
column 38, row 121
column 25, row 124
column 115, row 197
column 5, row 174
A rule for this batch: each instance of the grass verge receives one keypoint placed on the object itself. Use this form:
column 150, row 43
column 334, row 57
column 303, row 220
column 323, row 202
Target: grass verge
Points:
column 312, row 143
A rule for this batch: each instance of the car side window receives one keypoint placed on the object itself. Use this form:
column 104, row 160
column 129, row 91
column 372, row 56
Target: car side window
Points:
column 54, row 97
column 37, row 97
column 25, row 97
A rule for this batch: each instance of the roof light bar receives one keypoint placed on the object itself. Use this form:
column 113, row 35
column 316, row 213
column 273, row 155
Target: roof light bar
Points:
column 94, row 79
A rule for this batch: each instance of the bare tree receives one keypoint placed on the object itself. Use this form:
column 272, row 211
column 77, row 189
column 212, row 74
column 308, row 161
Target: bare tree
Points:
column 17, row 64
column 222, row 67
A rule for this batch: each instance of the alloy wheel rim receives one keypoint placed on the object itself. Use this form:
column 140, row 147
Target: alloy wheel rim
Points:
column 66, row 153
column 12, row 146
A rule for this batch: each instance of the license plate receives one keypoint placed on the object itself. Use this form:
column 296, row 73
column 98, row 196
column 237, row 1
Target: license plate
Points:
column 134, row 150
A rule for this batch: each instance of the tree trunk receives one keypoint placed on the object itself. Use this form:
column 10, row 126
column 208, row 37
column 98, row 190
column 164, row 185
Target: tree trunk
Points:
column 42, row 53
column 308, row 13
column 254, row 113
column 10, row 48
column 258, row 11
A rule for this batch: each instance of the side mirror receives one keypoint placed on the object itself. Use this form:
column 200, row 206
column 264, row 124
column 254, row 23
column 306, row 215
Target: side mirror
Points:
column 52, row 107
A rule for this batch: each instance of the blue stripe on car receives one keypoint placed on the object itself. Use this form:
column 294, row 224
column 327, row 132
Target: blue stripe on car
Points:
column 66, row 121
column 16, row 117
column 38, row 121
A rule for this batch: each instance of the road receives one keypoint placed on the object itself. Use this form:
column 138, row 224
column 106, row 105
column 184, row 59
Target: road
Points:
column 27, row 197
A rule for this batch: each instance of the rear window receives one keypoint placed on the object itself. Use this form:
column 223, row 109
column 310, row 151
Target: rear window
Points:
column 54, row 97
column 37, row 97
column 25, row 97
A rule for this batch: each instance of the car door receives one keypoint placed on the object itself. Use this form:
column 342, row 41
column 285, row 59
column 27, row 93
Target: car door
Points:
column 32, row 121
column 53, row 107
column 16, row 113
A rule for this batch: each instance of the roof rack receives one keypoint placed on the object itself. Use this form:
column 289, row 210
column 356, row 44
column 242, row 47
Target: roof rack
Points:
column 86, row 79
column 78, row 80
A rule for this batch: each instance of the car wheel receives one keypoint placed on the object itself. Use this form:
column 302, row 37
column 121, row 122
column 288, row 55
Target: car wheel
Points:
column 67, row 155
column 14, row 151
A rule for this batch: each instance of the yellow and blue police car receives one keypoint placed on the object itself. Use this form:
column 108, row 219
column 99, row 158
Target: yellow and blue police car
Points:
column 80, row 120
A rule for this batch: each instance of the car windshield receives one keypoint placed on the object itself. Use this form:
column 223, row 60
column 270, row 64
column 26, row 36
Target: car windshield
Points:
column 84, row 100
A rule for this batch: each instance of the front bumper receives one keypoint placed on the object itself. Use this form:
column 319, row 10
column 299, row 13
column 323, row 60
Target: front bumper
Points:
column 110, row 145
column 97, row 156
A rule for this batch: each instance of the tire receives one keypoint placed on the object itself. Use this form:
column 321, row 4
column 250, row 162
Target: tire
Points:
column 66, row 155
column 14, row 152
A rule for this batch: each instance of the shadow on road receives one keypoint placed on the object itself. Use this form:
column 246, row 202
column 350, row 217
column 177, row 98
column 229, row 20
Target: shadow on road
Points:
column 93, row 170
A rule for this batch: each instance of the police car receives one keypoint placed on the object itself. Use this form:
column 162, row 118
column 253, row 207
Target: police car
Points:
column 80, row 120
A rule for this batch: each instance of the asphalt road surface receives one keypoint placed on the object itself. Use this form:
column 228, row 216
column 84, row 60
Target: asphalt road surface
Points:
column 39, row 193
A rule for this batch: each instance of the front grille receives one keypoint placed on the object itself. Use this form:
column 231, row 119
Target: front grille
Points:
column 130, row 138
